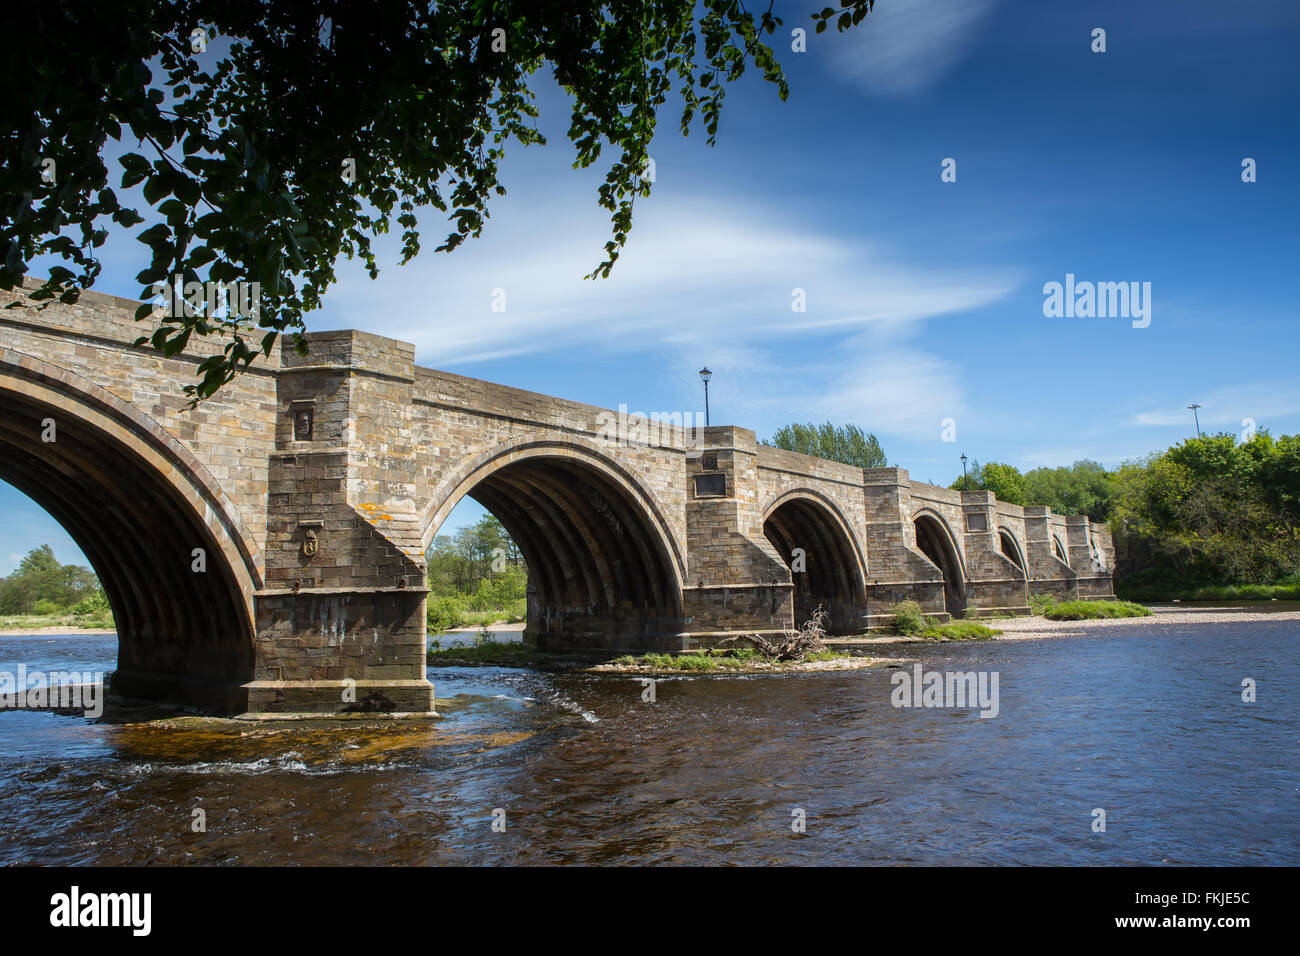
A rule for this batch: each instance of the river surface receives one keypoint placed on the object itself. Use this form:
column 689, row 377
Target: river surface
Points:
column 1148, row 725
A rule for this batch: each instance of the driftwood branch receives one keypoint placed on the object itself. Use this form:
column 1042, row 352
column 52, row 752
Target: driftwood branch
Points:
column 793, row 645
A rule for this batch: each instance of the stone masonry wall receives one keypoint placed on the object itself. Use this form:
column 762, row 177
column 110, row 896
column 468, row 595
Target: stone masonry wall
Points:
column 339, row 467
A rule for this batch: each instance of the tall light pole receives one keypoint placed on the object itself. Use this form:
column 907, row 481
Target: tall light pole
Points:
column 705, row 375
column 1194, row 406
column 965, row 482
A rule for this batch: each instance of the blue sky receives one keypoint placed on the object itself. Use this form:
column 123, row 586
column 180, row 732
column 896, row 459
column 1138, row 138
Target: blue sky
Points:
column 924, row 298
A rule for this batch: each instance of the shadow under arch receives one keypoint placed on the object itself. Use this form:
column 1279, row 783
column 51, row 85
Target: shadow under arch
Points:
column 1011, row 549
column 604, row 571
column 138, row 503
column 935, row 540
column 833, row 572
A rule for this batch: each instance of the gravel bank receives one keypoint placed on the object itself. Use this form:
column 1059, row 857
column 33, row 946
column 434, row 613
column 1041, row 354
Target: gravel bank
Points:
column 1026, row 627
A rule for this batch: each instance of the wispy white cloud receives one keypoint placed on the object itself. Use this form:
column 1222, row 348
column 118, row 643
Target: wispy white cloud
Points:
column 703, row 280
column 1229, row 405
column 696, row 271
column 906, row 48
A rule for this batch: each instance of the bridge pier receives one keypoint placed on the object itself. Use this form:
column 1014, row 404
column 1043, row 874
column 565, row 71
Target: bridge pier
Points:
column 341, row 623
column 736, row 581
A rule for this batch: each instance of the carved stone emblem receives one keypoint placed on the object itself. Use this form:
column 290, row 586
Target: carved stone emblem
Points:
column 310, row 543
column 302, row 422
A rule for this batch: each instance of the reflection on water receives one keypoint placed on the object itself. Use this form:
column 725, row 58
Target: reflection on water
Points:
column 1148, row 725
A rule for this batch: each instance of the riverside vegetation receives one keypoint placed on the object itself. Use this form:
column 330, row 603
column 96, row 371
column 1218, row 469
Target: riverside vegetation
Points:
column 1213, row 518
column 42, row 593
column 909, row 620
column 476, row 577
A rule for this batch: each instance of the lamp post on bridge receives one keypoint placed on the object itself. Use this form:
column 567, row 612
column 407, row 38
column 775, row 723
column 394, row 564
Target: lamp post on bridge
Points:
column 705, row 375
column 965, row 480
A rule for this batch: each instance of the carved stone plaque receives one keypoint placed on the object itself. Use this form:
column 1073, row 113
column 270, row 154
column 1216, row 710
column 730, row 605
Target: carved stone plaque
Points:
column 711, row 485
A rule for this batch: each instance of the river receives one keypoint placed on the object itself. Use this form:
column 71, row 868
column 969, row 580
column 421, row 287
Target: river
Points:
column 1148, row 725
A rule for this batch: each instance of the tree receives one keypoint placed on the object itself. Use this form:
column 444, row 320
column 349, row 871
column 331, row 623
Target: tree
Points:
column 1211, row 510
column 476, row 554
column 40, row 578
column 307, row 129
column 849, row 444
column 1005, row 481
column 1085, row 488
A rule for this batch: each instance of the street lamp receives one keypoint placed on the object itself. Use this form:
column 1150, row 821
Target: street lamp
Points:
column 1194, row 406
column 965, row 482
column 705, row 375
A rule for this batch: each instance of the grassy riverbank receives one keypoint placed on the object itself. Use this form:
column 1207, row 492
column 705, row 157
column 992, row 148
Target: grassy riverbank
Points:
column 64, row 621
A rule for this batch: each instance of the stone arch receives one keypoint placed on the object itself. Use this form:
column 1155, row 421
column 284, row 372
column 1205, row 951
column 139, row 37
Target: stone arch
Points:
column 936, row 541
column 1011, row 549
column 834, row 574
column 604, row 567
column 137, row 502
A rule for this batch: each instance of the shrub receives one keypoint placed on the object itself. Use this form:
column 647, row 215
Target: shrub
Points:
column 45, row 607
column 444, row 613
column 1041, row 603
column 1087, row 610
column 908, row 618
column 96, row 604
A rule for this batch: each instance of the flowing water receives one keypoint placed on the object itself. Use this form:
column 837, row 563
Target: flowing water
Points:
column 1147, row 724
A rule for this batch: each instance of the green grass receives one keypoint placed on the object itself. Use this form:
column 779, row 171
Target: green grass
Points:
column 450, row 613
column 1089, row 610
column 959, row 631
column 1222, row 592
column 820, row 656
column 1041, row 603
column 102, row 620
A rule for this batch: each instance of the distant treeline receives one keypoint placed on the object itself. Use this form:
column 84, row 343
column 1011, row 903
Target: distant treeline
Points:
column 476, row 577
column 1209, row 512
column 42, row 586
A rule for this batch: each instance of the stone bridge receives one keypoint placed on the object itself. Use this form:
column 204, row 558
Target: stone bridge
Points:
column 264, row 552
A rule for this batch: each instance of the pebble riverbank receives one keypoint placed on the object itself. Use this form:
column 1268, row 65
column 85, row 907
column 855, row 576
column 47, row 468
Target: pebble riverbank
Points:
column 1020, row 628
